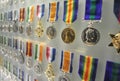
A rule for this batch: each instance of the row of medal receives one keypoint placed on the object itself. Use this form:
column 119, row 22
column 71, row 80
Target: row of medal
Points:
column 90, row 35
column 14, row 49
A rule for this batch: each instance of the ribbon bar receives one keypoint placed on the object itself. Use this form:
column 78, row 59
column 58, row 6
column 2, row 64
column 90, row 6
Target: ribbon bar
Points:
column 93, row 10
column 40, row 10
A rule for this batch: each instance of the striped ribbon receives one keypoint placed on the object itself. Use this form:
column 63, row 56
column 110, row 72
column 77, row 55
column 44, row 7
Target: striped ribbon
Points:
column 87, row 68
column 21, row 46
column 21, row 75
column 66, row 61
column 93, row 10
column 50, row 54
column 30, row 14
column 53, row 11
column 15, row 44
column 70, row 11
column 117, row 9
column 28, row 48
column 22, row 14
column 112, row 72
column 10, row 15
column 40, row 10
column 15, row 15
column 38, row 52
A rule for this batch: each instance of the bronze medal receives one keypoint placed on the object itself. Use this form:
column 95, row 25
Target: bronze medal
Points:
column 38, row 69
column 29, row 30
column 51, row 32
column 63, row 78
column 68, row 35
column 21, row 29
column 90, row 36
column 39, row 30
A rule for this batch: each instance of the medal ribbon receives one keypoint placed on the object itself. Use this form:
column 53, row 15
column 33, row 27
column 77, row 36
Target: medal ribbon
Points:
column 15, row 46
column 93, row 10
column 21, row 46
column 53, row 11
column 28, row 48
column 66, row 61
column 70, row 11
column 39, row 52
column 40, row 10
column 50, row 54
column 10, row 16
column 117, row 9
column 30, row 12
column 22, row 14
column 87, row 68
column 15, row 15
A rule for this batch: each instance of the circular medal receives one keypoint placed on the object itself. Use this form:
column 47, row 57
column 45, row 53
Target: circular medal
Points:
column 21, row 29
column 68, row 35
column 51, row 32
column 63, row 78
column 21, row 58
column 15, row 27
column 90, row 36
column 39, row 30
column 38, row 68
column 29, row 30
column 29, row 63
column 10, row 28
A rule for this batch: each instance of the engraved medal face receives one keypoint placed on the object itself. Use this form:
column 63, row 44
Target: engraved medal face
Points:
column 63, row 78
column 29, row 30
column 29, row 63
column 68, row 35
column 15, row 27
column 21, row 29
column 38, row 68
column 90, row 36
column 39, row 30
column 51, row 32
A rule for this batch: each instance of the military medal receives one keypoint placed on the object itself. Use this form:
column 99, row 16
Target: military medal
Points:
column 21, row 19
column 30, row 18
column 21, row 74
column 15, row 19
column 21, row 51
column 91, row 36
column 66, row 64
column 29, row 62
column 70, row 15
column 40, row 13
column 50, row 54
column 38, row 57
column 53, row 16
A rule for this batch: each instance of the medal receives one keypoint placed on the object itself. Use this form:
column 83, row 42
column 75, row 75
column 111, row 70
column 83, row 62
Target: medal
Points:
column 40, row 13
column 21, row 75
column 90, row 35
column 70, row 15
column 66, row 64
column 30, row 18
column 53, row 16
column 38, row 57
column 68, row 35
column 21, row 19
column 51, row 32
column 21, row 51
column 29, row 77
column 50, row 54
column 15, row 26
column 29, row 62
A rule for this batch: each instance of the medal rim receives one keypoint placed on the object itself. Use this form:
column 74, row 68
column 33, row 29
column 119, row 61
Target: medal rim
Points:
column 89, row 43
column 40, row 66
column 63, row 33
column 29, row 66
column 63, row 76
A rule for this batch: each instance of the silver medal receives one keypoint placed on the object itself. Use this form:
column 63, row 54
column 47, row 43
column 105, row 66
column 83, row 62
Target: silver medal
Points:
column 51, row 32
column 29, row 63
column 29, row 30
column 38, row 68
column 63, row 78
